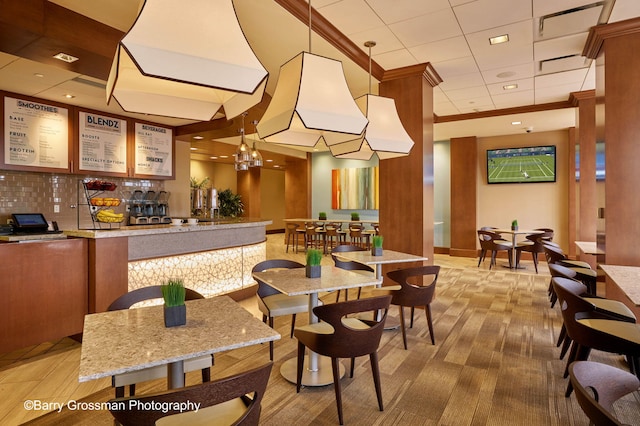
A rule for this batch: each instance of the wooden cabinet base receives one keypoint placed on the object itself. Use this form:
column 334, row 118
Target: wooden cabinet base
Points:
column 45, row 291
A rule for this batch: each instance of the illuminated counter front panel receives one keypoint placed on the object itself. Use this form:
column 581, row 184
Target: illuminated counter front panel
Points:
column 210, row 273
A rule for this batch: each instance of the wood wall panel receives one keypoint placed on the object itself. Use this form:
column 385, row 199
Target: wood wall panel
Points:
column 464, row 166
column 297, row 188
column 108, row 271
column 44, row 284
column 586, row 134
column 249, row 188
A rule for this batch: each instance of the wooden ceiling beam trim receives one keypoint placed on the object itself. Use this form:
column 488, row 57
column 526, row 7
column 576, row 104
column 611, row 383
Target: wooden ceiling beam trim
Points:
column 506, row 111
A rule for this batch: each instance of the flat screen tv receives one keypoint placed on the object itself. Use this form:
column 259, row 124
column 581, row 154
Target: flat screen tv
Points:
column 521, row 165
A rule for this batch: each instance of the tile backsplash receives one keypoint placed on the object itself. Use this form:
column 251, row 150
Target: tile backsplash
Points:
column 27, row 192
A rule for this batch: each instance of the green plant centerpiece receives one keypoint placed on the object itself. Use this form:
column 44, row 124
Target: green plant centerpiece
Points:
column 230, row 204
column 514, row 225
column 175, row 311
column 376, row 245
column 355, row 216
column 322, row 216
column 313, row 268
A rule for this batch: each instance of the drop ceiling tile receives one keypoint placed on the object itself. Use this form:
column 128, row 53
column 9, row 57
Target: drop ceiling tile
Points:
column 351, row 16
column 516, row 99
column 515, row 72
column 445, row 109
column 558, row 47
column 590, row 79
column 395, row 59
column 518, row 50
column 625, row 9
column 475, row 105
column 385, row 40
column 462, row 82
column 400, row 10
column 485, row 14
column 557, row 93
column 467, row 93
column 561, row 78
column 6, row 59
column 427, row 28
column 441, row 50
column 498, row 88
column 461, row 66
column 574, row 22
column 439, row 96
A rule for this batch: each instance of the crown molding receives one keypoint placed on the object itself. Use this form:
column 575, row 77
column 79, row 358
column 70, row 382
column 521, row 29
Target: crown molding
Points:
column 598, row 34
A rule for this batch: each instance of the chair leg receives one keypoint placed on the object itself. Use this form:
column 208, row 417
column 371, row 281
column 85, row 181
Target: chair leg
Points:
column 206, row 375
column 373, row 358
column 427, row 311
column 353, row 367
column 563, row 333
column 493, row 258
column 271, row 342
column 336, row 386
column 535, row 260
column 300, row 366
column 483, row 253
column 402, row 326
column 565, row 346
column 413, row 309
column 293, row 324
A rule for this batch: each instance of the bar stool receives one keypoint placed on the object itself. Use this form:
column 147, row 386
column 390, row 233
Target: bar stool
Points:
column 292, row 235
column 357, row 235
column 332, row 236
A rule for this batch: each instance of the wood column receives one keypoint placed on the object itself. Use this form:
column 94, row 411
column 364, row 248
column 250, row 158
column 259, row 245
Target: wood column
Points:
column 619, row 43
column 406, row 183
column 297, row 188
column 249, row 188
column 464, row 176
column 586, row 138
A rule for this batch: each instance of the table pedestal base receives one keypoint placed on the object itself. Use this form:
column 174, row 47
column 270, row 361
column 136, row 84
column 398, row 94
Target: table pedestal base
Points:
column 175, row 375
column 321, row 377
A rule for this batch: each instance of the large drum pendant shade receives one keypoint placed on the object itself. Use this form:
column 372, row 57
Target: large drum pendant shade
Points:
column 311, row 101
column 186, row 60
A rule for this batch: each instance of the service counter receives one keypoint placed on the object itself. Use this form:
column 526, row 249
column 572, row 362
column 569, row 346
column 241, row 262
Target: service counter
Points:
column 210, row 257
column 51, row 282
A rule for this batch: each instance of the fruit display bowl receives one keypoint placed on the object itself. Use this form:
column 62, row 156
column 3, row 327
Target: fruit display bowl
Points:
column 107, row 202
column 100, row 185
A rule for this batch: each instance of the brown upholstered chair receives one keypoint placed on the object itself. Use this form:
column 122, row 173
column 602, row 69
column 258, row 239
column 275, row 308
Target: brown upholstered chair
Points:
column 412, row 294
column 492, row 242
column 598, row 386
column 130, row 379
column 584, row 273
column 349, row 265
column 533, row 245
column 584, row 338
column 340, row 335
column 272, row 303
column 231, row 400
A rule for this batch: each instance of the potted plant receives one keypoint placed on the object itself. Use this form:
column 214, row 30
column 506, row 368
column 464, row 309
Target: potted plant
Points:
column 230, row 204
column 376, row 245
column 175, row 311
column 355, row 216
column 514, row 225
column 312, row 268
column 322, row 216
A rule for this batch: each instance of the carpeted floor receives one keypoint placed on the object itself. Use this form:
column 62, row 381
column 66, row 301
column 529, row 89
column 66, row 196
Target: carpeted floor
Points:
column 494, row 363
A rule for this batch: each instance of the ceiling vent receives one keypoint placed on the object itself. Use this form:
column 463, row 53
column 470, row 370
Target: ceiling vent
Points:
column 570, row 21
column 88, row 82
column 564, row 63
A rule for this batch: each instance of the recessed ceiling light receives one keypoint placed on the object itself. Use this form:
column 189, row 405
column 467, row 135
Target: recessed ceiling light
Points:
column 69, row 96
column 193, row 149
column 276, row 166
column 198, row 137
column 510, row 86
column 506, row 74
column 65, row 57
column 39, row 75
column 499, row 39
column 269, row 161
column 515, row 123
column 224, row 156
column 214, row 158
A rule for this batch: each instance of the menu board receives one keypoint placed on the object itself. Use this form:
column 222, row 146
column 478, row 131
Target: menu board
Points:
column 103, row 143
column 35, row 134
column 153, row 150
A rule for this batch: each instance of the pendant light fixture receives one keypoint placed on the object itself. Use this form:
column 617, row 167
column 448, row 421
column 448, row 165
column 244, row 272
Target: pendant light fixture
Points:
column 385, row 135
column 243, row 152
column 186, row 62
column 311, row 102
column 256, row 157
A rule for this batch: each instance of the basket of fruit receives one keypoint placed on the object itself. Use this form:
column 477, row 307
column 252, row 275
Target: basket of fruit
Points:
column 106, row 202
column 109, row 216
column 100, row 185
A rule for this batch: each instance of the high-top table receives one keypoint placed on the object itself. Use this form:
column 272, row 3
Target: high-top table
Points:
column 293, row 282
column 623, row 284
column 127, row 340
column 514, row 234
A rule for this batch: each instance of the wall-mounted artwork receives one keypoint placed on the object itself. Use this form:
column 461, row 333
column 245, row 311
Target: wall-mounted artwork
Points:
column 355, row 189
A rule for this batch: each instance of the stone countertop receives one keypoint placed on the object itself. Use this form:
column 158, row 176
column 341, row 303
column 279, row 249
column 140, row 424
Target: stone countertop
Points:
column 133, row 339
column 627, row 278
column 36, row 237
column 137, row 230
